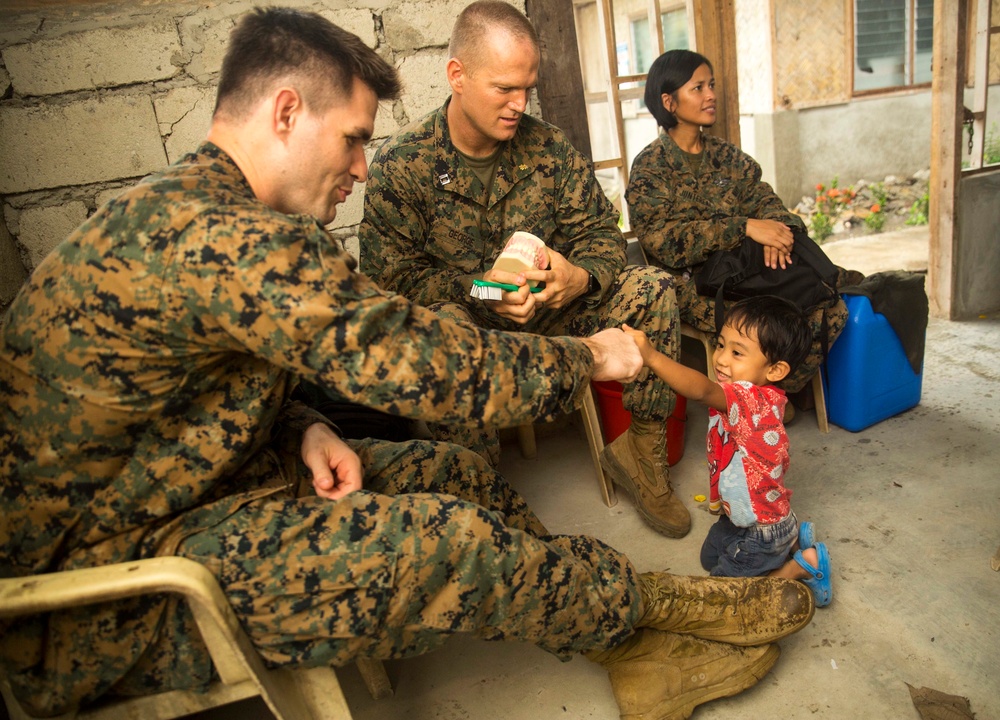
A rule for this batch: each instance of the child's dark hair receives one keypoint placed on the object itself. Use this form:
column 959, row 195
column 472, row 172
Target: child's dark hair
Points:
column 782, row 329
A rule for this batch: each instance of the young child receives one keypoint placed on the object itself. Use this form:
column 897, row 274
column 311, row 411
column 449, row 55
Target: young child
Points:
column 763, row 339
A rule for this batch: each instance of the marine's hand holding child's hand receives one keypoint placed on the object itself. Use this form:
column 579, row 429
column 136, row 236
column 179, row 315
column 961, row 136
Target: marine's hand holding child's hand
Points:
column 641, row 342
column 616, row 357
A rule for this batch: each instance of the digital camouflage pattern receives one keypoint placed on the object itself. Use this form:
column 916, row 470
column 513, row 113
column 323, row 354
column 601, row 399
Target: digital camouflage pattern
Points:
column 145, row 374
column 681, row 217
column 429, row 229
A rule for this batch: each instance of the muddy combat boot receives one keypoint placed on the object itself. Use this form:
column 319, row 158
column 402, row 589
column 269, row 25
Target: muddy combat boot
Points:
column 658, row 675
column 637, row 462
column 738, row 611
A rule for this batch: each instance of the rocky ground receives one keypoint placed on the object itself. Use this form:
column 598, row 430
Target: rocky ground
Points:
column 851, row 204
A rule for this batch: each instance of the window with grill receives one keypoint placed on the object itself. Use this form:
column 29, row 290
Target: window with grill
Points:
column 892, row 43
column 675, row 37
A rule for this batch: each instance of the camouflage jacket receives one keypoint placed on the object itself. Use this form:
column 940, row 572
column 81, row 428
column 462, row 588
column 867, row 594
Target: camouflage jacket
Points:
column 428, row 229
column 680, row 217
column 145, row 370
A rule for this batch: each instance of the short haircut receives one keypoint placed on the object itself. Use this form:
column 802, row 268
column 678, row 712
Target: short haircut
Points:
column 668, row 73
column 782, row 329
column 302, row 48
column 481, row 19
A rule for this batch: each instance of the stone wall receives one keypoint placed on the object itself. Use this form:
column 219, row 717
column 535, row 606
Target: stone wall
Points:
column 96, row 95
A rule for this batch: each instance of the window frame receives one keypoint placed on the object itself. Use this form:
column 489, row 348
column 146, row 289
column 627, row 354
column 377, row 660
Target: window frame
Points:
column 978, row 78
column 909, row 53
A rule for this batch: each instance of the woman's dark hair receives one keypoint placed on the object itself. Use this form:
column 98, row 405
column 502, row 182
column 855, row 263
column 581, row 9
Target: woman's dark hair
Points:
column 782, row 329
column 668, row 73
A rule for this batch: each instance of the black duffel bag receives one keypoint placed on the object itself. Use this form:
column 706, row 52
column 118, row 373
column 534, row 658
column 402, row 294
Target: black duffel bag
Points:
column 809, row 281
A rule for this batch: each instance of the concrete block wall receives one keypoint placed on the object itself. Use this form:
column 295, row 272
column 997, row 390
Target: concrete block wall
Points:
column 95, row 95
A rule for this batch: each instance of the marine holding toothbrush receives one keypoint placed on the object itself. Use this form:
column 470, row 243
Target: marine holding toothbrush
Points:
column 443, row 197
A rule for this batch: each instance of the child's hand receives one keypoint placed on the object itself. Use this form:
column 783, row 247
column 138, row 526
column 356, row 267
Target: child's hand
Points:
column 642, row 342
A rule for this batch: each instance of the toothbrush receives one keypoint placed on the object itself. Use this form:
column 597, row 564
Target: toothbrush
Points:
column 488, row 290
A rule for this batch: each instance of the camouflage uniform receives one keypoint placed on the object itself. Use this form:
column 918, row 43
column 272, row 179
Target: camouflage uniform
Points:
column 145, row 374
column 681, row 218
column 429, row 229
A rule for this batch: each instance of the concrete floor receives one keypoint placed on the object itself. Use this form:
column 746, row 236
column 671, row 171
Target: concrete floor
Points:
column 898, row 250
column 909, row 508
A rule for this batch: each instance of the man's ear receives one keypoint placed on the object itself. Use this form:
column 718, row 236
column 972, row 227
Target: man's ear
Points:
column 287, row 106
column 455, row 71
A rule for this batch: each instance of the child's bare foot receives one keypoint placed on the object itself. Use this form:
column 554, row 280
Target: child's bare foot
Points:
column 811, row 557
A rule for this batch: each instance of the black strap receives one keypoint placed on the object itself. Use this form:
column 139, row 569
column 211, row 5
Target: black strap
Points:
column 824, row 335
column 719, row 300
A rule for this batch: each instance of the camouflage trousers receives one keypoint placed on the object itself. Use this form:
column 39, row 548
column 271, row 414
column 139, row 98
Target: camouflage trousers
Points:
column 437, row 543
column 642, row 297
column 699, row 311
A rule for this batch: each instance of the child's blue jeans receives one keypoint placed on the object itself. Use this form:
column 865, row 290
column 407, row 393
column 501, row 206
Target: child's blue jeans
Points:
column 731, row 551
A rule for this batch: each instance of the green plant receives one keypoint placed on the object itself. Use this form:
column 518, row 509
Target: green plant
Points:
column 879, row 194
column 829, row 203
column 821, row 226
column 919, row 210
column 991, row 146
column 875, row 219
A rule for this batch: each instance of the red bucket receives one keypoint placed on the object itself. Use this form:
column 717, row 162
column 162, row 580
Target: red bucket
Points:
column 615, row 419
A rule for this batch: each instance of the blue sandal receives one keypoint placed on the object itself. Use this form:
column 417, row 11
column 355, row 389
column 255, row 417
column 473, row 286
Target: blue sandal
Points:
column 819, row 583
column 807, row 536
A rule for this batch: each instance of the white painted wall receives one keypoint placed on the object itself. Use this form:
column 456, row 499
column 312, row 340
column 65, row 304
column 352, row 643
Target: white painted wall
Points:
column 866, row 139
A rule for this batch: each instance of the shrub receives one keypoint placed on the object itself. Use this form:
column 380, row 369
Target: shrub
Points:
column 991, row 146
column 919, row 211
column 875, row 219
column 830, row 201
column 820, row 227
column 879, row 195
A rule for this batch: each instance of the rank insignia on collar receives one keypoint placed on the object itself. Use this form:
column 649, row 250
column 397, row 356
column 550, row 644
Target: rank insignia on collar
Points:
column 522, row 167
column 444, row 179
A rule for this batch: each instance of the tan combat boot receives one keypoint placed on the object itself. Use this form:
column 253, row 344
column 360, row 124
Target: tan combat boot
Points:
column 738, row 611
column 637, row 461
column 658, row 675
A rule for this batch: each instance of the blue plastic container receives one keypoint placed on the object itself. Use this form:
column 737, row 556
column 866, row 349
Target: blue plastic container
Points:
column 868, row 377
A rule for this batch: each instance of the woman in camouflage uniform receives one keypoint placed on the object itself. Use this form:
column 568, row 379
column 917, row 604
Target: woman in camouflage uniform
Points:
column 691, row 194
